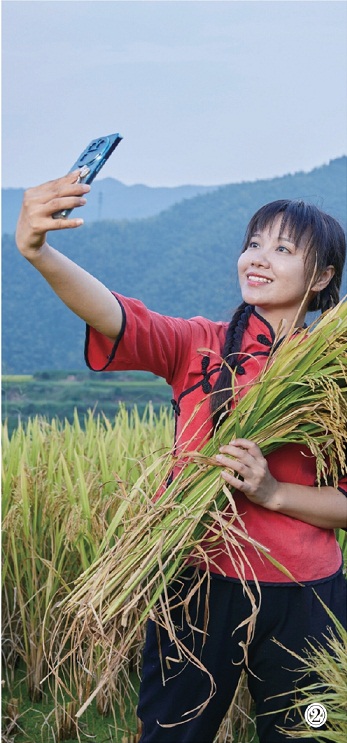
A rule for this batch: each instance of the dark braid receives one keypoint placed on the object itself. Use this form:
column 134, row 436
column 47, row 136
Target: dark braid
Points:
column 221, row 393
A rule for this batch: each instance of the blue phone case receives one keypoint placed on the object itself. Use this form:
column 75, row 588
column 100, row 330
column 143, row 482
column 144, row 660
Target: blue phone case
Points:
column 91, row 161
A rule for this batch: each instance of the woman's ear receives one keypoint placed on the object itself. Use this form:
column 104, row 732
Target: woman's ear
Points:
column 324, row 279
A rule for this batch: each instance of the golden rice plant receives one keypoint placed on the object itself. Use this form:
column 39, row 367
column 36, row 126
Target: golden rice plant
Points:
column 328, row 663
column 238, row 725
column 58, row 483
column 300, row 397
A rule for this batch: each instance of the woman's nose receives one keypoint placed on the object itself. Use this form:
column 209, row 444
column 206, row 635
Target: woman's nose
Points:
column 260, row 258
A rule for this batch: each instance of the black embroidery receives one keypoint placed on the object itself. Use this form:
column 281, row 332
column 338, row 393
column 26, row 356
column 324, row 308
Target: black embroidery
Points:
column 206, row 386
column 169, row 479
column 176, row 407
column 264, row 340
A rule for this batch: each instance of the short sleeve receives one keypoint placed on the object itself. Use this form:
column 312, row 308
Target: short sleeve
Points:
column 148, row 341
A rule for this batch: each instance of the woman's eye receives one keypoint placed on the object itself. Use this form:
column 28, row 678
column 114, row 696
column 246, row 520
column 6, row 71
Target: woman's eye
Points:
column 283, row 249
column 253, row 245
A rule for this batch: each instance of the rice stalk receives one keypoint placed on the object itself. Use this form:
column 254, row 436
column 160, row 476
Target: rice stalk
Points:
column 300, row 397
column 238, row 725
column 328, row 663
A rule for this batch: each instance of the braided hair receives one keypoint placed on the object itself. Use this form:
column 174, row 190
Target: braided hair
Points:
column 324, row 245
column 220, row 397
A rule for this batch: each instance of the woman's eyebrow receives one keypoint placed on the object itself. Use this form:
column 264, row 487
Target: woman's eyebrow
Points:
column 280, row 237
column 286, row 239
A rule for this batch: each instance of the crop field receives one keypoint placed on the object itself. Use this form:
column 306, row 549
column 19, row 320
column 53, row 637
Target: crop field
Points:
column 61, row 486
column 62, row 482
column 60, row 489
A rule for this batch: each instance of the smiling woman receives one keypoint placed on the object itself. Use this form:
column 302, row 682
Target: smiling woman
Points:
column 292, row 261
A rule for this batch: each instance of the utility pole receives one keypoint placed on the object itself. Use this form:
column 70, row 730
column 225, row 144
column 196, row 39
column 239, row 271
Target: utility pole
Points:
column 100, row 199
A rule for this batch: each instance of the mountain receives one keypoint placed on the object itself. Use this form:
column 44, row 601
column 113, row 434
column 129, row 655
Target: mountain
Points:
column 110, row 199
column 180, row 262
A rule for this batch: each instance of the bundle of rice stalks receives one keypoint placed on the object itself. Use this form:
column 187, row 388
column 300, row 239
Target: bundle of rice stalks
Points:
column 300, row 397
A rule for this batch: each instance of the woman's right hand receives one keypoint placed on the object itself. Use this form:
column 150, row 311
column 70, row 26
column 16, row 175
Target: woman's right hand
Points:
column 85, row 295
column 40, row 203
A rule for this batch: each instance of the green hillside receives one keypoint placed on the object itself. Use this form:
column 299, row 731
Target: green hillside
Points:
column 181, row 262
column 109, row 199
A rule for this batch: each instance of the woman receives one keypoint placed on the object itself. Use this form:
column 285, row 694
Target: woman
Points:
column 291, row 262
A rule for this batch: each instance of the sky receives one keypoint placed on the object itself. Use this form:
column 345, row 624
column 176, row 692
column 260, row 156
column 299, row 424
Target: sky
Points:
column 203, row 92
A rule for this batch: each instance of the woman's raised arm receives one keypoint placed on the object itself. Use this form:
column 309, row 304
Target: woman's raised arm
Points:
column 85, row 295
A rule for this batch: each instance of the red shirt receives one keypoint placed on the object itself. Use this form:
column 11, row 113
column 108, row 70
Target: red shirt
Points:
column 187, row 354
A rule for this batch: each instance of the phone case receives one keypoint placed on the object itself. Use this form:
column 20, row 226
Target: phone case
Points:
column 90, row 162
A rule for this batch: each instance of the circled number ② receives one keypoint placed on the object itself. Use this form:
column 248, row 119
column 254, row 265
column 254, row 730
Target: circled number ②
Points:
column 315, row 715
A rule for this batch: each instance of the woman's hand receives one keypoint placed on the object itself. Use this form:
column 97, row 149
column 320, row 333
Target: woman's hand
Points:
column 243, row 457
column 324, row 506
column 40, row 203
column 85, row 295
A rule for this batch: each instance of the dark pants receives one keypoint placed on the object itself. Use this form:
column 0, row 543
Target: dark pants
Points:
column 288, row 613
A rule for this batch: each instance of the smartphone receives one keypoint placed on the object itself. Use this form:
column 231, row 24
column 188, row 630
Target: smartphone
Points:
column 91, row 161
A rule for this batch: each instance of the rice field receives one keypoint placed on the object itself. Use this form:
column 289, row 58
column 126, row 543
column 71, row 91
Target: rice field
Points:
column 61, row 485
column 64, row 485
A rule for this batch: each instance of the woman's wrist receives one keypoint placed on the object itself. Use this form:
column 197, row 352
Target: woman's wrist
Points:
column 276, row 499
column 34, row 254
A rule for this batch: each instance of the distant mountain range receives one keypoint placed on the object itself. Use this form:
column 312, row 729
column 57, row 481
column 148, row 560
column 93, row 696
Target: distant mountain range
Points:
column 179, row 262
column 110, row 199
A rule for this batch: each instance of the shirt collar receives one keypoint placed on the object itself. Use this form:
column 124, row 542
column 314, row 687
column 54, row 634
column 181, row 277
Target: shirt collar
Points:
column 259, row 330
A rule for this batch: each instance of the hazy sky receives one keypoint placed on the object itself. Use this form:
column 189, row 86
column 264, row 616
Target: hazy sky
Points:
column 203, row 91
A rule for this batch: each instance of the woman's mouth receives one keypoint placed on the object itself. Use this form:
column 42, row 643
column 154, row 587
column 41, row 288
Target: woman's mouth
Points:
column 253, row 278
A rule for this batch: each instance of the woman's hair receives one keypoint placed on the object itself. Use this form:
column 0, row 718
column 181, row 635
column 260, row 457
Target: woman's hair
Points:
column 324, row 245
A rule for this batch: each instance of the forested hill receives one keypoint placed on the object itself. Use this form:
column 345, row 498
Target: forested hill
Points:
column 110, row 199
column 181, row 262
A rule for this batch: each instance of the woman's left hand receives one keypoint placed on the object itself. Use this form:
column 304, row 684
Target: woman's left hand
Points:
column 243, row 457
column 246, row 470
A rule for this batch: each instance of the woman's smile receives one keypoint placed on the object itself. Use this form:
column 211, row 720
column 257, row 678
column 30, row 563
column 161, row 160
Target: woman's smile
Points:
column 254, row 279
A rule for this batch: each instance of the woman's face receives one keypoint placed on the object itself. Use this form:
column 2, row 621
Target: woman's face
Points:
column 273, row 276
